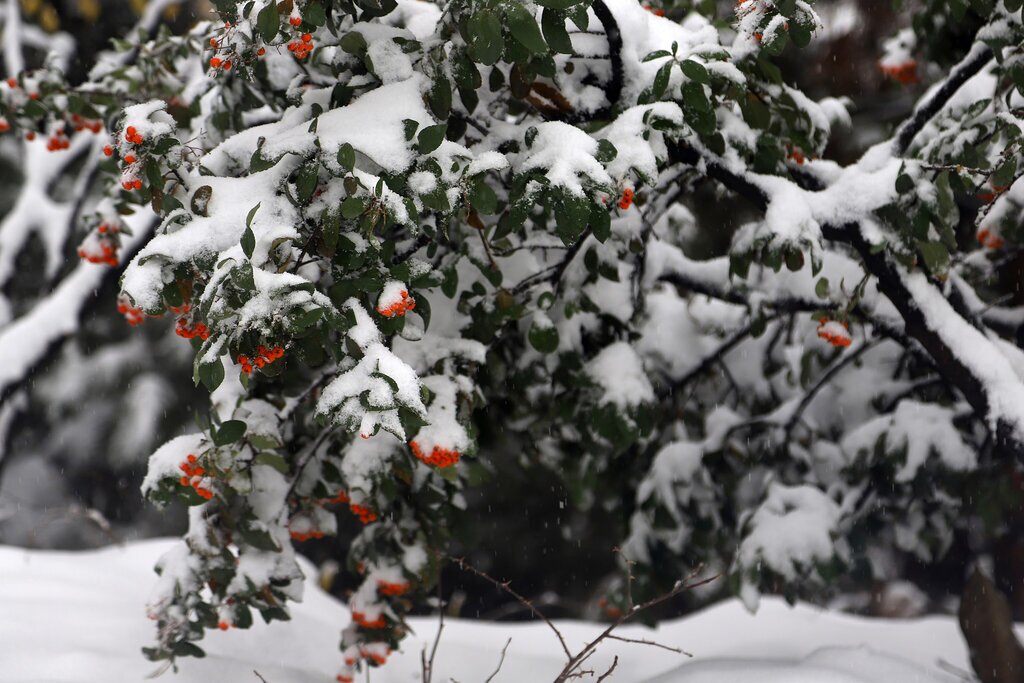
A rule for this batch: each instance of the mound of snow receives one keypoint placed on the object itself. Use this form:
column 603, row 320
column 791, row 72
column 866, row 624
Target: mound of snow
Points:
column 79, row 617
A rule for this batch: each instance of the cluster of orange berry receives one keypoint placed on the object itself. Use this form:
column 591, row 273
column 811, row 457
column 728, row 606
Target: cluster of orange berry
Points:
column 834, row 332
column 133, row 315
column 610, row 611
column 218, row 63
column 80, row 123
column 905, row 73
column 107, row 254
column 194, row 476
column 302, row 47
column 189, row 331
column 306, row 535
column 264, row 357
column 58, row 141
column 341, row 498
column 627, row 199
column 361, row 619
column 439, row 456
column 989, row 240
column 399, row 308
column 392, row 589
column 366, row 515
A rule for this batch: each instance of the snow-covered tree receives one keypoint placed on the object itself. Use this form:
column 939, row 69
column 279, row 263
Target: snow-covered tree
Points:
column 407, row 238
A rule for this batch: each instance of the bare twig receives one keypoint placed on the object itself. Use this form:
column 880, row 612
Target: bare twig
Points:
column 505, row 586
column 644, row 641
column 606, row 674
column 259, row 676
column 428, row 665
column 500, row 661
column 572, row 669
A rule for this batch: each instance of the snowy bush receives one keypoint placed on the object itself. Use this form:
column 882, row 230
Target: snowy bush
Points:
column 391, row 227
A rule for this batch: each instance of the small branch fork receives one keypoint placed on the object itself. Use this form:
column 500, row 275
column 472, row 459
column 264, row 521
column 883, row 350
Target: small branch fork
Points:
column 574, row 662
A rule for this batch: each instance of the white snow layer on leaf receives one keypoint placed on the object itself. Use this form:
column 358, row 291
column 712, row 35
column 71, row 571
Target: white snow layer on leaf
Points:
column 791, row 530
column 566, row 155
column 230, row 201
column 619, row 372
column 920, row 428
column 100, row 597
column 164, row 461
column 643, row 32
column 634, row 153
column 372, row 124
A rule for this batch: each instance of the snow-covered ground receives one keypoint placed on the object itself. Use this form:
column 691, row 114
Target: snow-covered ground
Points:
column 80, row 617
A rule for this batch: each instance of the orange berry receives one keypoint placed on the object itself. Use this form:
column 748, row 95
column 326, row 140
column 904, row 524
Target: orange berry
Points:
column 108, row 150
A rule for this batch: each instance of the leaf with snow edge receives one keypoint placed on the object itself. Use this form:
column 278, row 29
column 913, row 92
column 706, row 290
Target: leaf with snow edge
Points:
column 543, row 334
column 430, row 138
column 201, row 200
column 484, row 37
column 274, row 460
column 552, row 24
column 268, row 22
column 523, row 27
column 347, row 156
column 229, row 432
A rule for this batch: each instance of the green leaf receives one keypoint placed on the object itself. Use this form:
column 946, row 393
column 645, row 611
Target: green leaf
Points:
column 430, row 138
column 523, row 28
column 313, row 13
column 558, row 4
column 352, row 207
column 252, row 214
column 272, row 460
column 822, row 288
column 211, row 374
column 657, row 54
column 483, row 198
column 904, row 184
column 268, row 22
column 543, row 338
column 347, row 157
column 1004, row 174
column 305, row 183
column 353, row 43
column 935, row 255
column 201, row 200
column 695, row 71
column 600, row 223
column 606, row 151
column 441, row 98
column 661, row 80
column 484, row 32
column 800, row 34
column 184, row 648
column 553, row 24
column 248, row 242
column 229, row 432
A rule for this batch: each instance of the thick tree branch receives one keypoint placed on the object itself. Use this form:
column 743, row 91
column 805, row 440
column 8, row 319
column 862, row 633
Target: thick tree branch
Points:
column 976, row 59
